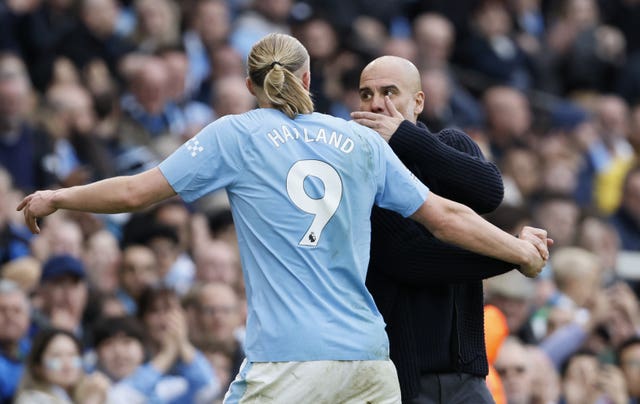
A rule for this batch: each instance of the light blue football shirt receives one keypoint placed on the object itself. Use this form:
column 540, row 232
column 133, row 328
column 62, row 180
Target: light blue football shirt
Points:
column 301, row 193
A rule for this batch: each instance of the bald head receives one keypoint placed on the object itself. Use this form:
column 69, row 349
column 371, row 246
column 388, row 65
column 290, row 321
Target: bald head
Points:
column 395, row 77
column 401, row 69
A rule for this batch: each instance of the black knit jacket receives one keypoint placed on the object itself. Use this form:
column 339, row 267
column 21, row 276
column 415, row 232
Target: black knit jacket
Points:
column 430, row 292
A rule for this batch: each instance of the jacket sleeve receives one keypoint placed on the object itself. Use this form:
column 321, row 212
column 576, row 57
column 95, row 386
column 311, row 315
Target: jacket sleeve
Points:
column 404, row 251
column 454, row 161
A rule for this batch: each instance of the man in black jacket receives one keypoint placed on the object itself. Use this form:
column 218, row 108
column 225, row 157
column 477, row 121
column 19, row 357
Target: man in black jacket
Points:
column 429, row 292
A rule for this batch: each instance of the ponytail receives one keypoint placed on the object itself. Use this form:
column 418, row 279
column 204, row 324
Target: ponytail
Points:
column 272, row 63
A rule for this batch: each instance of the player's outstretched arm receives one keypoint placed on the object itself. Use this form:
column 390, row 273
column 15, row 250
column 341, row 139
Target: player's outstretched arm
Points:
column 113, row 195
column 457, row 224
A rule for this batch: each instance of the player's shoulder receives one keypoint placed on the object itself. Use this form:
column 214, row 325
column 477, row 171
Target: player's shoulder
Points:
column 236, row 122
column 460, row 140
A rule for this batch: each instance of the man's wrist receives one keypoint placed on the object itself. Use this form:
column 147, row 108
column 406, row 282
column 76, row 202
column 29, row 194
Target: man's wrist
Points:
column 57, row 198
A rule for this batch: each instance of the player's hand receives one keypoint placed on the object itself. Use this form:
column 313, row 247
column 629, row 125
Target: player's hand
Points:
column 385, row 123
column 533, row 234
column 539, row 240
column 535, row 262
column 36, row 205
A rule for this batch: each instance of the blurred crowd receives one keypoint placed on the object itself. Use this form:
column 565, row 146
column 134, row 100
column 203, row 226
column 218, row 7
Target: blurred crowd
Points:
column 150, row 306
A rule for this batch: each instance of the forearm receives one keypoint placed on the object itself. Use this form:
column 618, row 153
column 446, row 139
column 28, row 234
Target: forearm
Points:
column 457, row 224
column 408, row 253
column 114, row 195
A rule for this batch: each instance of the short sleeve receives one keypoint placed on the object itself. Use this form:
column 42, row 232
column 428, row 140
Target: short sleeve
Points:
column 209, row 161
column 400, row 190
column 397, row 188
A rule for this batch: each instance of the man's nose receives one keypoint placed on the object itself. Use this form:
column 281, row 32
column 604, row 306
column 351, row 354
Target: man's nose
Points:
column 377, row 103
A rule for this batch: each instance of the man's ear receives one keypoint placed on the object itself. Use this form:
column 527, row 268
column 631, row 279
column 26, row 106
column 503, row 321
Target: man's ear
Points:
column 306, row 80
column 419, row 97
column 250, row 86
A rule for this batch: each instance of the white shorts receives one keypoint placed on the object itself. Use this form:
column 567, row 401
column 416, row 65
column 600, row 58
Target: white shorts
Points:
column 315, row 382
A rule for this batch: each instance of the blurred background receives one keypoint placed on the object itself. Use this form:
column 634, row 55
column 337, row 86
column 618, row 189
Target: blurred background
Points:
column 90, row 89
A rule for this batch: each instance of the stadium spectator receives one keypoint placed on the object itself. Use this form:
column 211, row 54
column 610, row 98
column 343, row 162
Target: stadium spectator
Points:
column 586, row 54
column 175, row 267
column 38, row 28
column 623, row 317
column 400, row 47
column 96, row 36
column 586, row 380
column 219, row 324
column 15, row 318
column 60, row 236
column 148, row 110
column 607, row 156
column 77, row 155
column 260, row 18
column 14, row 242
column 597, row 235
column 24, row 271
column 22, row 145
column 138, row 271
column 514, row 296
column 101, row 256
column 221, row 226
column 54, row 372
column 435, row 36
column 521, row 175
column 577, row 273
column 157, row 25
column 227, row 62
column 492, row 50
column 437, row 113
column 177, row 215
column 572, row 307
column 545, row 377
column 228, row 99
column 63, row 292
column 217, row 261
column 508, row 119
column 328, row 59
column 196, row 114
column 628, row 358
column 185, row 368
column 627, row 218
column 559, row 212
column 120, row 356
column 515, row 369
column 207, row 32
